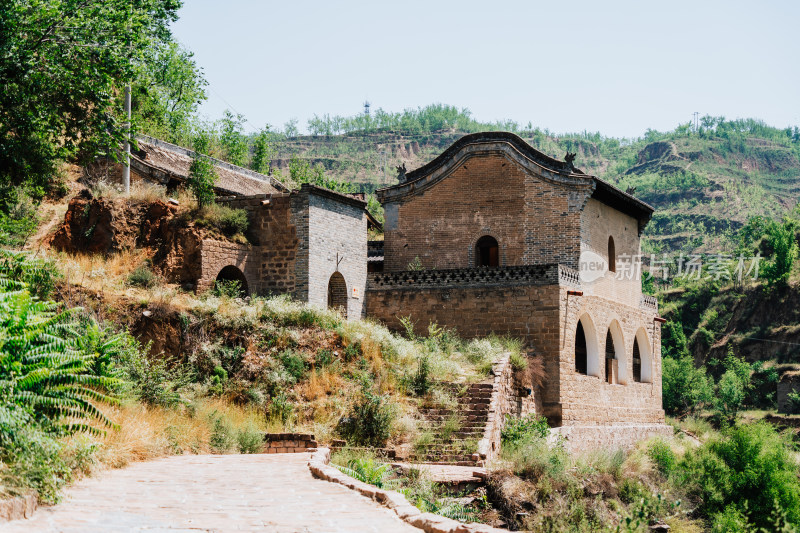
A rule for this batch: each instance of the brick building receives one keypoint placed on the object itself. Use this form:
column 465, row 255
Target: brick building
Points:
column 309, row 242
column 493, row 236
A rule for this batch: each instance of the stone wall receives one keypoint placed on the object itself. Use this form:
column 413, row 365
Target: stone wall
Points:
column 584, row 439
column 533, row 219
column 589, row 399
column 217, row 255
column 289, row 443
column 508, row 398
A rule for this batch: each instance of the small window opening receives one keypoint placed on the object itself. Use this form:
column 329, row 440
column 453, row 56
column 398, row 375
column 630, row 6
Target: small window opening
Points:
column 487, row 253
column 580, row 350
column 637, row 362
column 612, row 255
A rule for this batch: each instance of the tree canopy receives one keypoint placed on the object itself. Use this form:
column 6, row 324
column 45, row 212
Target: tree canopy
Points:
column 63, row 64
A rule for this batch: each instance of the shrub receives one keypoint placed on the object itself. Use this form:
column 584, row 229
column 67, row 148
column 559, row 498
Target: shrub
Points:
column 663, row 457
column 420, row 382
column 228, row 221
column 38, row 274
column 227, row 288
column 280, row 409
column 250, row 440
column 142, row 277
column 368, row 470
column 369, row 421
column 293, row 363
column 33, row 460
column 42, row 367
column 733, row 386
column 153, row 381
column 533, row 458
column 19, row 223
column 685, row 388
column 525, row 428
column 750, row 468
column 223, row 435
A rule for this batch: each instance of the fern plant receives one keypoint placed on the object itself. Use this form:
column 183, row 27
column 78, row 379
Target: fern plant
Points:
column 369, row 471
column 42, row 366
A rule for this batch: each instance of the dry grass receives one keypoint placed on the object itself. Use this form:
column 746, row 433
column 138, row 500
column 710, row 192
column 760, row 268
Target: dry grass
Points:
column 149, row 432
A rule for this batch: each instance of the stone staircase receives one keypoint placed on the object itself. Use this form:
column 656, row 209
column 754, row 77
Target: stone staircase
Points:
column 456, row 432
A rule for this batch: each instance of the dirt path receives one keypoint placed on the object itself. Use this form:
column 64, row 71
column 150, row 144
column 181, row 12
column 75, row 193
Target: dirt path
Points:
column 219, row 493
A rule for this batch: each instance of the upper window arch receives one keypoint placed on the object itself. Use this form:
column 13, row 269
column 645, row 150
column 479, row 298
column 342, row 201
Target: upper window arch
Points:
column 612, row 255
column 487, row 252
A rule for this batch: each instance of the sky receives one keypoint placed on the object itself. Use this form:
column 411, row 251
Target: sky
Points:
column 619, row 68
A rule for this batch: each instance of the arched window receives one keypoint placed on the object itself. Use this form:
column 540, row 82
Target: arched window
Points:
column 231, row 275
column 580, row 350
column 337, row 293
column 612, row 255
column 487, row 253
column 611, row 356
column 641, row 350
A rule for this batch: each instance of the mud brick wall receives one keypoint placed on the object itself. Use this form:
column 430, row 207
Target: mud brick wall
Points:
column 533, row 220
column 336, row 241
column 289, row 443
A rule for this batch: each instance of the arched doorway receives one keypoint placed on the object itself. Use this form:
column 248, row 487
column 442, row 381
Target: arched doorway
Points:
column 230, row 275
column 487, row 252
column 580, row 350
column 586, row 350
column 611, row 356
column 337, row 293
column 616, row 359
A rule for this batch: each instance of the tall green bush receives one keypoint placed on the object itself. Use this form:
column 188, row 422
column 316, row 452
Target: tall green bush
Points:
column 685, row 388
column 749, row 468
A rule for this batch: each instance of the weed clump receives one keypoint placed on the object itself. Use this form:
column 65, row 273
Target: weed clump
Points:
column 143, row 277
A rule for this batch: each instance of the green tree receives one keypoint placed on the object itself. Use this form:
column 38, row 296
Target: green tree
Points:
column 233, row 139
column 167, row 91
column 202, row 175
column 263, row 150
column 685, row 388
column 781, row 239
column 733, row 386
column 63, row 64
column 301, row 171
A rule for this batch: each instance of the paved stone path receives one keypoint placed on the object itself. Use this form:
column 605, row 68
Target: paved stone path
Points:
column 212, row 493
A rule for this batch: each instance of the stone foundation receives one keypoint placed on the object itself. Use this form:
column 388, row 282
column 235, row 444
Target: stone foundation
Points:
column 585, row 439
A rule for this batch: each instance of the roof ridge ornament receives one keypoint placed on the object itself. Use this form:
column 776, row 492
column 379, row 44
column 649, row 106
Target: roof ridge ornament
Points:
column 401, row 173
column 569, row 159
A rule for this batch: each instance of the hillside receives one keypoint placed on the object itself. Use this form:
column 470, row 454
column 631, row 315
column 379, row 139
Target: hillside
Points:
column 704, row 183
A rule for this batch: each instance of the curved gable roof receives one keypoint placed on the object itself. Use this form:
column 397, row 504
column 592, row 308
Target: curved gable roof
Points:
column 552, row 169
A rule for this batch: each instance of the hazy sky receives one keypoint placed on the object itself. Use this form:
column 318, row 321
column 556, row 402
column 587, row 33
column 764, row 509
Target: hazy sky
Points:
column 614, row 67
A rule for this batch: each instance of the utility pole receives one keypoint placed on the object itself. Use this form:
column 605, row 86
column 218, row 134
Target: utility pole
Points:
column 696, row 114
column 126, row 169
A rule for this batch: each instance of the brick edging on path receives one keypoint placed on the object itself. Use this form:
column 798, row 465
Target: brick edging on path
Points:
column 429, row 522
